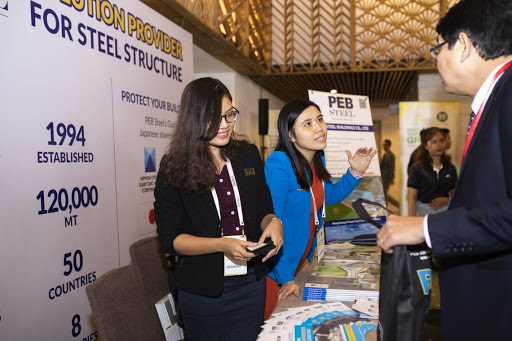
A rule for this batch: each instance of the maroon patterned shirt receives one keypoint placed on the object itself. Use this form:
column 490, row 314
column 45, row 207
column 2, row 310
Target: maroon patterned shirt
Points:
column 229, row 221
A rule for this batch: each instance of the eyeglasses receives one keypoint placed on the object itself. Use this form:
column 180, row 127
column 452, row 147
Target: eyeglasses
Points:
column 231, row 115
column 434, row 51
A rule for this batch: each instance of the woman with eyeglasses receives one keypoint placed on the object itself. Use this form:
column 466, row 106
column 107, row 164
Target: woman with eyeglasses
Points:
column 300, row 186
column 211, row 203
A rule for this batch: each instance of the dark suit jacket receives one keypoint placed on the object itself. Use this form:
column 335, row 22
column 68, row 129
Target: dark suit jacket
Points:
column 475, row 235
column 177, row 212
column 387, row 167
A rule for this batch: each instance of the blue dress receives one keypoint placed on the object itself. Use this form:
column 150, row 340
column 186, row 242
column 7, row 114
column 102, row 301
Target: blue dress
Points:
column 293, row 206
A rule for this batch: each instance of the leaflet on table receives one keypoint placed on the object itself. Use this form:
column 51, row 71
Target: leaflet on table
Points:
column 326, row 326
column 345, row 274
column 351, row 251
column 281, row 326
column 346, row 268
column 342, row 283
column 357, row 331
column 367, row 306
column 337, row 295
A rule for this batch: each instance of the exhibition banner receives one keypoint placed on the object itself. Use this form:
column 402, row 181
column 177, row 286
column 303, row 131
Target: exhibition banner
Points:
column 349, row 127
column 415, row 116
column 88, row 98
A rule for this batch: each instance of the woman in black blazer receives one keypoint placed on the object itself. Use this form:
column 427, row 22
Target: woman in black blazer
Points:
column 211, row 203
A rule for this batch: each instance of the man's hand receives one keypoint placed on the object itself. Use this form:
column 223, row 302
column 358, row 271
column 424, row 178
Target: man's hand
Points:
column 287, row 289
column 400, row 231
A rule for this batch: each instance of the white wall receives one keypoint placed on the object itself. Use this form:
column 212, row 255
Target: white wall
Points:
column 245, row 93
column 389, row 130
column 431, row 89
column 246, row 97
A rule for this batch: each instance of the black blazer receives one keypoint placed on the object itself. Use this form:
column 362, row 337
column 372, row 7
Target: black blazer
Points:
column 177, row 212
column 475, row 235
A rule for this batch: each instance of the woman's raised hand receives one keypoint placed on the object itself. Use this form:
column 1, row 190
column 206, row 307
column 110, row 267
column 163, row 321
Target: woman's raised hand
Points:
column 361, row 159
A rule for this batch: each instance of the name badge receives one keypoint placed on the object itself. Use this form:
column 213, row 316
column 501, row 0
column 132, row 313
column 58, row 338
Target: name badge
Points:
column 249, row 171
column 320, row 242
column 235, row 267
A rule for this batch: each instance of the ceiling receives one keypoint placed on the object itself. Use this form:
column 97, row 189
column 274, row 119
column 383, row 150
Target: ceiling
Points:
column 382, row 88
column 375, row 48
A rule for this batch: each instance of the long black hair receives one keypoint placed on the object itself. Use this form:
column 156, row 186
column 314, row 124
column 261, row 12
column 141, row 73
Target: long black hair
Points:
column 427, row 135
column 189, row 164
column 287, row 117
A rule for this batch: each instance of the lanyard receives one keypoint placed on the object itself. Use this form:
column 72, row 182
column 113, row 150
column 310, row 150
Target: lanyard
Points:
column 317, row 223
column 235, row 192
column 479, row 113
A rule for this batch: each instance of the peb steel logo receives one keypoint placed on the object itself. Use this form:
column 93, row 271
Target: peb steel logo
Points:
column 4, row 8
column 149, row 160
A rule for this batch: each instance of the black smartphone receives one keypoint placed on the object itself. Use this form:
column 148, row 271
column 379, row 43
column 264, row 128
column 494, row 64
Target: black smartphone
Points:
column 259, row 249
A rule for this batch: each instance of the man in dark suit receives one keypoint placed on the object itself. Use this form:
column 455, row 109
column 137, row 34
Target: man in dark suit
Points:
column 474, row 237
column 387, row 171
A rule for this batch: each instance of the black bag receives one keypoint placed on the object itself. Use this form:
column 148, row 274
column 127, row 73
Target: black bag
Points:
column 405, row 283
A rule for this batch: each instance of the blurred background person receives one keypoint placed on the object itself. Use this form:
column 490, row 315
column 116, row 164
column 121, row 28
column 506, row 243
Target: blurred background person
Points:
column 447, row 137
column 415, row 155
column 387, row 171
column 432, row 178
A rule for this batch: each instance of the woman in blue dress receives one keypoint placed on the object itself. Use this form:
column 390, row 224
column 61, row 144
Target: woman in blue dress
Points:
column 300, row 186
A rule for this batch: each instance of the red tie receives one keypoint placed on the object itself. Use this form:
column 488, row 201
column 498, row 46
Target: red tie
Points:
column 471, row 119
column 473, row 122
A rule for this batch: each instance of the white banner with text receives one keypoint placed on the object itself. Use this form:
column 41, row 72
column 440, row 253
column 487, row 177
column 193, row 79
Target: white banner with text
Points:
column 88, row 98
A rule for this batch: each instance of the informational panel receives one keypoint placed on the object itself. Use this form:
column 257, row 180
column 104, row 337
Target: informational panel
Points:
column 349, row 126
column 88, row 95
column 143, row 114
column 415, row 116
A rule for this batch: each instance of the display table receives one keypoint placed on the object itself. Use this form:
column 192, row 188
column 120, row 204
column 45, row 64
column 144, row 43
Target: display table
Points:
column 292, row 301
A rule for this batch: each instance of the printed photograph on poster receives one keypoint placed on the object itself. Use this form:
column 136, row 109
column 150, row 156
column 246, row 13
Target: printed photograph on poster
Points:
column 349, row 127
